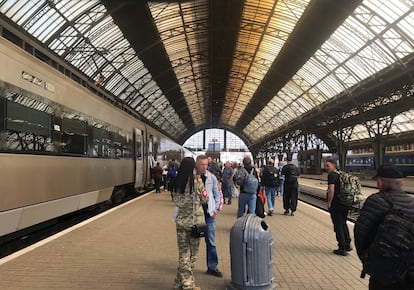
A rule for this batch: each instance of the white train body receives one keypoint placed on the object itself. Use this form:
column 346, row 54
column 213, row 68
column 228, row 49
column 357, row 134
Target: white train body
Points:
column 63, row 148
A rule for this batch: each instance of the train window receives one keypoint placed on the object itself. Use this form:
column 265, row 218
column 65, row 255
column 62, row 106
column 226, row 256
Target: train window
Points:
column 74, row 136
column 101, row 142
column 10, row 36
column 23, row 119
column 121, row 146
column 74, row 144
column 27, row 129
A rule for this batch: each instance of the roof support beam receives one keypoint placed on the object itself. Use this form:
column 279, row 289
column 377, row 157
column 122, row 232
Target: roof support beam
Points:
column 327, row 16
column 144, row 38
column 224, row 23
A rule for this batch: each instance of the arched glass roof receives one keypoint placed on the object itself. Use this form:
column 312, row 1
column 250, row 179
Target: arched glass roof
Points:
column 85, row 35
column 375, row 36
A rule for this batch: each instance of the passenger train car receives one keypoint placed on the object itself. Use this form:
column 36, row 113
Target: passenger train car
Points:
column 63, row 148
column 365, row 162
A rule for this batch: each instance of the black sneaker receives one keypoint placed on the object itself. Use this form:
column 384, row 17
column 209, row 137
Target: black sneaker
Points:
column 286, row 212
column 216, row 273
column 340, row 252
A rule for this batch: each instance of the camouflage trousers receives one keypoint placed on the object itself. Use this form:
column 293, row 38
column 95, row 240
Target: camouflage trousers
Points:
column 187, row 256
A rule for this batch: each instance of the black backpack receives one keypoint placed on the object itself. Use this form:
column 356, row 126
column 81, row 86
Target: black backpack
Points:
column 270, row 176
column 214, row 168
column 291, row 172
column 388, row 257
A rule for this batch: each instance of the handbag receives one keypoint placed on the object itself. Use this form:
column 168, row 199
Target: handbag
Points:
column 198, row 230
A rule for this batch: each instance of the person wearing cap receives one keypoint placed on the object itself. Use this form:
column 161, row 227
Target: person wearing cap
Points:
column 376, row 207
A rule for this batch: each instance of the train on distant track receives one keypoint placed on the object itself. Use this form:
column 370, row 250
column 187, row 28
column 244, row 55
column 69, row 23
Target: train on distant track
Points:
column 365, row 162
column 313, row 161
column 63, row 148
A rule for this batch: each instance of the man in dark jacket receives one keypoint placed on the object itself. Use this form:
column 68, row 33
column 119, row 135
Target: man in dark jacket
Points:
column 376, row 207
column 291, row 187
column 337, row 210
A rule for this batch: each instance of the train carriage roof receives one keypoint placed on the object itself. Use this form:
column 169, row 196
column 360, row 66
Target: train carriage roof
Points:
column 259, row 68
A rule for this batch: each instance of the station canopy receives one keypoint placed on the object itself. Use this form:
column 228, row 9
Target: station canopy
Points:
column 259, row 68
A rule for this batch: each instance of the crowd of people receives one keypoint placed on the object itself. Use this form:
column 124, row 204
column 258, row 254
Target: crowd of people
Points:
column 200, row 187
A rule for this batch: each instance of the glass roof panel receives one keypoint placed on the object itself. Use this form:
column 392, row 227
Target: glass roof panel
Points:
column 82, row 33
column 378, row 34
column 20, row 11
column 274, row 20
column 403, row 122
column 183, row 28
column 368, row 41
column 42, row 32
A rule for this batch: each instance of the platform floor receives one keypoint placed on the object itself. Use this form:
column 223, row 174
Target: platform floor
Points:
column 134, row 247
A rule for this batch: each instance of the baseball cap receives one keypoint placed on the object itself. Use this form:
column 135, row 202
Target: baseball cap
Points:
column 388, row 171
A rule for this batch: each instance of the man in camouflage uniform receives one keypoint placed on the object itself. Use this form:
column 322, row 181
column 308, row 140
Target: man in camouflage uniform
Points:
column 188, row 213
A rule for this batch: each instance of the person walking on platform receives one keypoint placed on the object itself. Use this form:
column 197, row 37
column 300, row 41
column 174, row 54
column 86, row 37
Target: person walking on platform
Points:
column 227, row 182
column 188, row 195
column 291, row 187
column 270, row 181
column 157, row 174
column 171, row 174
column 384, row 233
column 337, row 210
column 165, row 177
column 281, row 178
column 210, row 211
column 248, row 194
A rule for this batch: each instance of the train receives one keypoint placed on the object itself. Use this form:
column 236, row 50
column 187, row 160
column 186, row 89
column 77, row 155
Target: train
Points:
column 365, row 162
column 313, row 161
column 63, row 148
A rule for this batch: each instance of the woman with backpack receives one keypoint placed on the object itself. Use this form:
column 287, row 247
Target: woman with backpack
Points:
column 248, row 180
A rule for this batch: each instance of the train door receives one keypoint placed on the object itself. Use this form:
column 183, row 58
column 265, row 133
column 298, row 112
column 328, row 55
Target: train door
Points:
column 151, row 158
column 139, row 158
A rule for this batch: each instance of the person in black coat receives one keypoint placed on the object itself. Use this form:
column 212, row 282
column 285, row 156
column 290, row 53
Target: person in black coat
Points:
column 376, row 207
column 337, row 210
column 291, row 187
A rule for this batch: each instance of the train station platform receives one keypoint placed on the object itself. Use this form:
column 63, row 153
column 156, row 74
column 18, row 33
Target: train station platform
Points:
column 134, row 246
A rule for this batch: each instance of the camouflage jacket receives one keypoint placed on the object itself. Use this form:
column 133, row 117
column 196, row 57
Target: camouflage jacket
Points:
column 185, row 217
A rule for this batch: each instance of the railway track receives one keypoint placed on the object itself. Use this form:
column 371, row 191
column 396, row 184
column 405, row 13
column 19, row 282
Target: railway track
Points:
column 321, row 204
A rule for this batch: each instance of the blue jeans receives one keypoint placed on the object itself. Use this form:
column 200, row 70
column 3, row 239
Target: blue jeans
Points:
column 249, row 200
column 210, row 238
column 281, row 186
column 270, row 196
